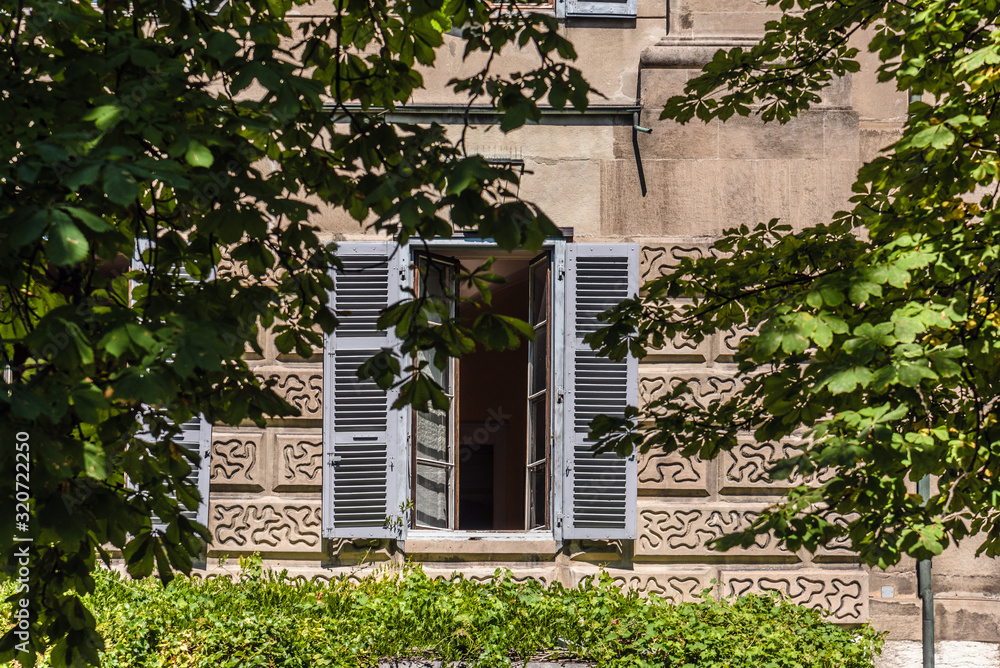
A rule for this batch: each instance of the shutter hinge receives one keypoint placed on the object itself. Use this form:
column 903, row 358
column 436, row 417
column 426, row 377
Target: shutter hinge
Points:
column 559, row 520
column 562, row 273
column 560, row 395
column 333, row 459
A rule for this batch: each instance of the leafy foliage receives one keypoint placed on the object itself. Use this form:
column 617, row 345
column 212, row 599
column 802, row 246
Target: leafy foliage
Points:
column 877, row 335
column 264, row 618
column 159, row 164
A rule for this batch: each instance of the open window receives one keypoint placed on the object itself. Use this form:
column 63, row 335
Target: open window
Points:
column 484, row 464
column 511, row 454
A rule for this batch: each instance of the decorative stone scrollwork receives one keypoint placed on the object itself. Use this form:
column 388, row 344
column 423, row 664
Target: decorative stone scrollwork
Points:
column 266, row 525
column 229, row 268
column 301, row 387
column 840, row 548
column 301, row 460
column 706, row 388
column 680, row 530
column 655, row 260
column 482, row 575
column 235, row 459
column 675, row 588
column 729, row 342
column 671, row 474
column 844, row 593
column 746, row 466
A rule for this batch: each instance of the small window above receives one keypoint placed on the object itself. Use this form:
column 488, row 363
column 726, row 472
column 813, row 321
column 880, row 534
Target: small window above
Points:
column 597, row 8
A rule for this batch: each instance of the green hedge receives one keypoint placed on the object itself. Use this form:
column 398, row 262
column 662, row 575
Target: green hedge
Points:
column 266, row 619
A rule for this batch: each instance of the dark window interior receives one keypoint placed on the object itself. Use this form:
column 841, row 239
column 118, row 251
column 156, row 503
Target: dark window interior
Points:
column 493, row 422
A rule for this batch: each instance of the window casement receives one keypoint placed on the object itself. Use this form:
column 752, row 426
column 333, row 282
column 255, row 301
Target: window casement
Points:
column 511, row 455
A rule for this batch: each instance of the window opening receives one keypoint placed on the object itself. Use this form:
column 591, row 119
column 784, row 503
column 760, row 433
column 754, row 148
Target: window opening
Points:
column 484, row 466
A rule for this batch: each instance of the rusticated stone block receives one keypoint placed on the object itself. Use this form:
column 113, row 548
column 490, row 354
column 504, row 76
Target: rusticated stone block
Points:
column 840, row 549
column 266, row 524
column 746, row 466
column 299, row 385
column 680, row 530
column 843, row 593
column 660, row 473
column 675, row 587
column 230, row 268
column 728, row 342
column 707, row 386
column 236, row 460
column 675, row 584
column 480, row 574
column 300, row 460
column 656, row 259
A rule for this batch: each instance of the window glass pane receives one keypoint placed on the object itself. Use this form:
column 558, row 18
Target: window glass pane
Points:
column 536, row 497
column 434, row 282
column 432, row 496
column 539, row 435
column 432, row 435
column 539, row 368
column 539, row 293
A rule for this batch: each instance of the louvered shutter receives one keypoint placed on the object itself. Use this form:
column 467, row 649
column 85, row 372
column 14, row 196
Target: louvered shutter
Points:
column 196, row 436
column 196, row 433
column 600, row 490
column 365, row 461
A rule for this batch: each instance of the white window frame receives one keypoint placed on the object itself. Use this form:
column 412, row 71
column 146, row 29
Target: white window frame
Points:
column 557, row 253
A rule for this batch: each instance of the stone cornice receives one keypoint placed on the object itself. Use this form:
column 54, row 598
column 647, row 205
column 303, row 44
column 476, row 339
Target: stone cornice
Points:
column 686, row 53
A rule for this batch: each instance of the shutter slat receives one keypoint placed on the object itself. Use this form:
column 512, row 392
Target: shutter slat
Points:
column 600, row 492
column 364, row 466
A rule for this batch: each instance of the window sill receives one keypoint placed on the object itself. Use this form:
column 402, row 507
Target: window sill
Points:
column 476, row 542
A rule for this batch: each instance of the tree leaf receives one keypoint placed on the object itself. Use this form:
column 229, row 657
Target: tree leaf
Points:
column 198, row 155
column 66, row 244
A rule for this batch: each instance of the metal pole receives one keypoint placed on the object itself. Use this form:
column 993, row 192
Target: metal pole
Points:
column 924, row 589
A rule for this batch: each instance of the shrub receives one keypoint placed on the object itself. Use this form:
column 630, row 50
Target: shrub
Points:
column 262, row 618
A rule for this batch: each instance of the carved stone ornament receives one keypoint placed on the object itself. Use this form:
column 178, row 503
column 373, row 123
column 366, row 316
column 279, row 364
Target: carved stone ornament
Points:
column 746, row 466
column 301, row 386
column 672, row 474
column 300, row 460
column 266, row 525
column 675, row 530
column 236, row 459
column 706, row 387
column 844, row 593
column 677, row 588
column 656, row 259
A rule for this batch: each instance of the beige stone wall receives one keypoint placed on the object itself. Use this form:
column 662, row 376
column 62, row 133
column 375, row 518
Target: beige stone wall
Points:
column 588, row 174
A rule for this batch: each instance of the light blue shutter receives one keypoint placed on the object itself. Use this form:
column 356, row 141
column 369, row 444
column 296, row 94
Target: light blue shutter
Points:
column 365, row 461
column 196, row 436
column 196, row 433
column 599, row 499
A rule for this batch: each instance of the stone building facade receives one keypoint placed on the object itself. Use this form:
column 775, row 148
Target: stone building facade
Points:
column 667, row 193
